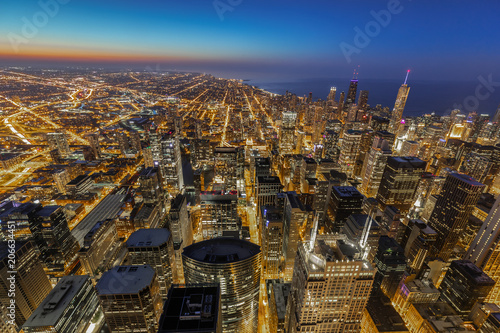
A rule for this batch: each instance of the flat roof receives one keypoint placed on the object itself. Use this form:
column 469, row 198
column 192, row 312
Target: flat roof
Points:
column 47, row 210
column 466, row 179
column 193, row 308
column 148, row 237
column 383, row 314
column 346, row 191
column 221, row 250
column 108, row 208
column 53, row 306
column 125, row 280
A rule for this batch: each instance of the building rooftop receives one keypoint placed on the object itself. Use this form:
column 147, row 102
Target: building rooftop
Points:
column 108, row 208
column 466, row 179
column 221, row 250
column 473, row 272
column 346, row 191
column 193, row 308
column 281, row 292
column 78, row 180
column 49, row 312
column 406, row 162
column 148, row 237
column 268, row 180
column 125, row 280
column 47, row 210
column 383, row 314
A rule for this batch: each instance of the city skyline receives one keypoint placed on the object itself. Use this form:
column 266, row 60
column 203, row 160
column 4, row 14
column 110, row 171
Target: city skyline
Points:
column 258, row 40
column 228, row 166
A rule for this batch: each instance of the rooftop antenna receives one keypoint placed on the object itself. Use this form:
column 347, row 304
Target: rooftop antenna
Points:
column 355, row 73
column 407, row 72
column 314, row 232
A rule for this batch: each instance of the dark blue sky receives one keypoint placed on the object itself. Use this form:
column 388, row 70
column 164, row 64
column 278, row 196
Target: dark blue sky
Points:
column 273, row 40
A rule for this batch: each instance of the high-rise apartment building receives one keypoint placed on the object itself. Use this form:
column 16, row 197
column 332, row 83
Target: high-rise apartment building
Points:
column 236, row 265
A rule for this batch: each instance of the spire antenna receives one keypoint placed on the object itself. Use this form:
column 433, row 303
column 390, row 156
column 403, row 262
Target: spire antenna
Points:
column 408, row 72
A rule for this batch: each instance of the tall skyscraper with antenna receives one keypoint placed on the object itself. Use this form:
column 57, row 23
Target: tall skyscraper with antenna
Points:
column 353, row 89
column 399, row 106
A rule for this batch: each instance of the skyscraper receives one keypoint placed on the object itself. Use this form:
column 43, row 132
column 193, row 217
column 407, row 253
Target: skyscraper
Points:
column 400, row 181
column 68, row 308
column 58, row 247
column 150, row 185
column 399, row 106
column 294, row 217
column 171, row 164
column 374, row 165
column 271, row 226
column 455, row 204
column 350, row 150
column 154, row 247
column 130, row 299
column 31, row 283
column 266, row 189
column 182, row 231
column 344, row 201
column 236, row 265
column 218, row 213
column 287, row 134
column 351, row 93
column 390, row 262
column 484, row 250
column 330, row 288
column 229, row 167
column 463, row 285
column 363, row 100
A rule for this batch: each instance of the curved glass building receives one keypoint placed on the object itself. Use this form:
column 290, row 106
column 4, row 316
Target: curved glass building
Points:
column 235, row 264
